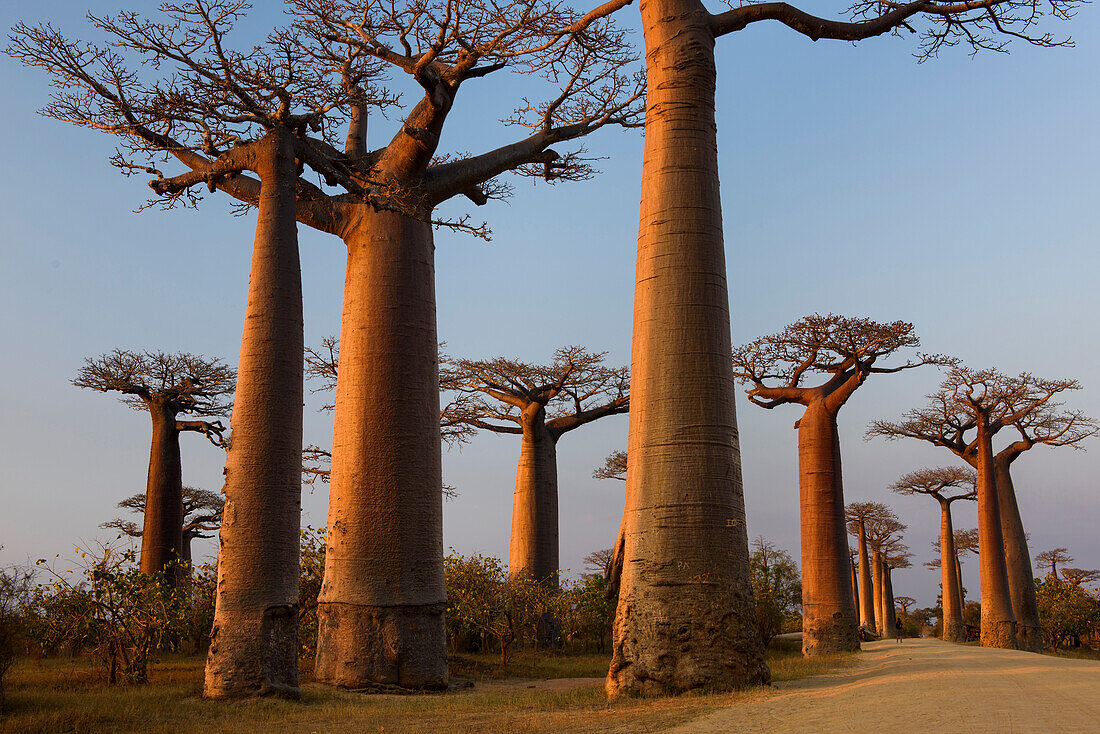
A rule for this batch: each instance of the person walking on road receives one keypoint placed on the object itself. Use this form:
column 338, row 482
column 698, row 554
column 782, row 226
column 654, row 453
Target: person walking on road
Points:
column 897, row 625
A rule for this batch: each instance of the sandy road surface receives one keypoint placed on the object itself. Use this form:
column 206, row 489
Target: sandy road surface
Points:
column 927, row 686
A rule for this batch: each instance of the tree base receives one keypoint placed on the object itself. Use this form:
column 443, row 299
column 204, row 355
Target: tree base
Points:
column 999, row 633
column 954, row 632
column 1029, row 638
column 828, row 636
column 361, row 646
column 252, row 656
column 722, row 655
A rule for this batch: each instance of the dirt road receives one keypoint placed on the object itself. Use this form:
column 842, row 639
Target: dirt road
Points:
column 927, row 686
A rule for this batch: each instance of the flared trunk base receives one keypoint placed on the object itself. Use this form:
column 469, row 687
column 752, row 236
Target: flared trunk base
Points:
column 254, row 655
column 361, row 646
column 696, row 655
column 999, row 633
column 825, row 637
column 1029, row 638
column 954, row 632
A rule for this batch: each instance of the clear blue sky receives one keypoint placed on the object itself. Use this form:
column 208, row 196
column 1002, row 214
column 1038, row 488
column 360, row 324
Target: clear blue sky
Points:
column 960, row 194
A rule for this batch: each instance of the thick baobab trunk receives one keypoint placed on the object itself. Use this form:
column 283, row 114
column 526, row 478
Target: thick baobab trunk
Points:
column 953, row 629
column 855, row 586
column 880, row 611
column 380, row 610
column 162, row 531
column 829, row 622
column 998, row 620
column 866, row 592
column 1021, row 581
column 254, row 643
column 685, row 617
column 534, row 543
column 891, row 614
column 959, row 576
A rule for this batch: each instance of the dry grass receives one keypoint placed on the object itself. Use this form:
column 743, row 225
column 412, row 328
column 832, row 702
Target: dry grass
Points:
column 68, row 695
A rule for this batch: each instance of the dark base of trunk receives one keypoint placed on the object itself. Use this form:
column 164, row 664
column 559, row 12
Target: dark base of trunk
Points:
column 255, row 656
column 368, row 646
column 954, row 632
column 828, row 636
column 697, row 655
column 1029, row 638
column 998, row 633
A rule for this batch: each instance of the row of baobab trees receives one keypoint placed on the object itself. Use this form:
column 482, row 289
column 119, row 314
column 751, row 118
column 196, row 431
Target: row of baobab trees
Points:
column 281, row 126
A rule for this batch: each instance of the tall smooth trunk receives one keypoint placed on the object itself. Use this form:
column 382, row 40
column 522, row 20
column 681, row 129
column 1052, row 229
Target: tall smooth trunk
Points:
column 685, row 617
column 866, row 593
column 380, row 610
column 162, row 529
column 959, row 576
column 888, row 600
column 880, row 610
column 953, row 629
column 1021, row 581
column 829, row 622
column 998, row 620
column 855, row 586
column 254, row 643
column 534, row 541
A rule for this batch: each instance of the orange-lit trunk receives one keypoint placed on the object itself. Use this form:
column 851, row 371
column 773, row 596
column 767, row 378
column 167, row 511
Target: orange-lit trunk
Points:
column 254, row 643
column 953, row 629
column 685, row 617
column 1021, row 580
column 877, row 591
column 534, row 541
column 998, row 620
column 829, row 622
column 866, row 592
column 380, row 610
column 162, row 530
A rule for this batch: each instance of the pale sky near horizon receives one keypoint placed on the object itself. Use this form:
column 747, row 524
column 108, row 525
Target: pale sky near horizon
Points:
column 959, row 194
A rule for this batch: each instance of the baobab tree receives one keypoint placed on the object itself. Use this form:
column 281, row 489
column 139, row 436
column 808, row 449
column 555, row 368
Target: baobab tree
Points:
column 945, row 485
column 1050, row 559
column 1080, row 576
column 857, row 515
column 845, row 351
column 883, row 531
column 683, row 445
column 985, row 402
column 540, row 403
column 905, row 602
column 966, row 541
column 273, row 111
column 895, row 555
column 201, row 513
column 167, row 386
column 614, row 467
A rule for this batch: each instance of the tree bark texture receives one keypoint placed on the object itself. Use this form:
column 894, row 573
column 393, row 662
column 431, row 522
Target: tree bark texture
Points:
column 829, row 619
column 866, row 592
column 998, row 620
column 953, row 630
column 380, row 610
column 877, row 590
column 534, row 541
column 254, row 643
column 958, row 577
column 685, row 617
column 1021, row 580
column 162, row 530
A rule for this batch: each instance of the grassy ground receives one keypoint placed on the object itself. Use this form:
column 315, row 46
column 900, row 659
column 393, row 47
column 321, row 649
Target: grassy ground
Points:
column 1081, row 653
column 68, row 695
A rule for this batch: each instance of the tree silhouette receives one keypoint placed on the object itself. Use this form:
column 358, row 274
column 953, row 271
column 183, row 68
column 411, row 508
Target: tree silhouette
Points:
column 274, row 110
column 683, row 429
column 985, row 402
column 541, row 403
column 166, row 386
column 201, row 513
column 844, row 352
column 937, row 483
column 1050, row 559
